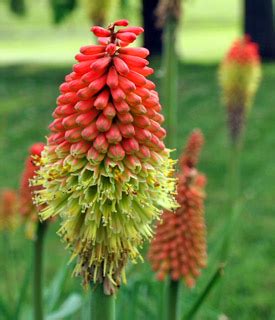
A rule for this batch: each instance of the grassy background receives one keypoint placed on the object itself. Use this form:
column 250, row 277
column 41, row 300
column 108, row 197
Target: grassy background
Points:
column 28, row 92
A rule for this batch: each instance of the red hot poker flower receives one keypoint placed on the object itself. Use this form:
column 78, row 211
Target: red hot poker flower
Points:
column 27, row 208
column 239, row 75
column 179, row 246
column 106, row 171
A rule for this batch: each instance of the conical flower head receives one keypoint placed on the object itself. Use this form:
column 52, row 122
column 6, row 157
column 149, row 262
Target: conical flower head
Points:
column 179, row 246
column 105, row 169
column 240, row 74
column 8, row 210
column 27, row 209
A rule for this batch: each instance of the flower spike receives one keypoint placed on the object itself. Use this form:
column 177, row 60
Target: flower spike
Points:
column 105, row 170
column 179, row 246
column 27, row 209
column 240, row 74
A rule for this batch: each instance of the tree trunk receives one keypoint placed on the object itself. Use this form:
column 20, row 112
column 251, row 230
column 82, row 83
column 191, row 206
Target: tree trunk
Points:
column 152, row 34
column 259, row 25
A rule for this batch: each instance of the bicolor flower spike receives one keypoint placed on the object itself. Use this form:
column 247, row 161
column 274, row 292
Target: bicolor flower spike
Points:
column 27, row 209
column 240, row 74
column 105, row 169
column 178, row 249
column 8, row 210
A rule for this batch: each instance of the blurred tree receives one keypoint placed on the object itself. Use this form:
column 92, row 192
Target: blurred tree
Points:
column 152, row 33
column 18, row 7
column 61, row 8
column 97, row 11
column 259, row 24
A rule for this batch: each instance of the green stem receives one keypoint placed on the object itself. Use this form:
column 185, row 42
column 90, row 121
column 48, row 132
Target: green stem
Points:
column 102, row 305
column 38, row 271
column 234, row 197
column 172, row 299
column 170, row 81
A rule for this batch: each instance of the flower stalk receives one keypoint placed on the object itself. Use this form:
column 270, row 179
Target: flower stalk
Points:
column 172, row 299
column 168, row 13
column 102, row 305
column 38, row 271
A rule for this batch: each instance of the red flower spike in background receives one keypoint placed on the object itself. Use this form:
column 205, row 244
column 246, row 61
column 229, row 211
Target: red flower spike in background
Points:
column 240, row 74
column 8, row 210
column 178, row 249
column 105, row 170
column 27, row 209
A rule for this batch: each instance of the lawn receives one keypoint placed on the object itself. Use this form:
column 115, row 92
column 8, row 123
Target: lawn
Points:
column 28, row 96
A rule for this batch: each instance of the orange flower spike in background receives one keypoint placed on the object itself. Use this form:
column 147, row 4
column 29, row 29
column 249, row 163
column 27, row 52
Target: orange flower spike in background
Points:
column 27, row 209
column 178, row 249
column 8, row 210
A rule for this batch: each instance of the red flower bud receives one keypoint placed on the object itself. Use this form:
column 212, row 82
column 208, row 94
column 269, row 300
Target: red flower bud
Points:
column 92, row 49
column 102, row 99
column 84, row 106
column 142, row 135
column 121, row 106
column 116, row 152
column 121, row 23
column 101, row 144
column 127, row 130
column 100, row 32
column 127, row 37
column 110, row 111
column 112, row 78
column 126, row 85
column 70, row 121
column 101, row 64
column 94, row 156
column 113, row 135
column 83, row 120
column 139, row 52
column 103, row 123
column 133, row 60
column 73, row 135
column 80, row 149
column 130, row 145
column 136, row 78
column 63, row 110
column 121, row 66
column 125, row 118
column 90, row 132
column 141, row 121
column 132, row 163
column 117, row 94
column 133, row 99
column 136, row 30
column 63, row 149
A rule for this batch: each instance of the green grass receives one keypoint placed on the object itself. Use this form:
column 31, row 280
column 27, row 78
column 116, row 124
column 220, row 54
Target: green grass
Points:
column 28, row 96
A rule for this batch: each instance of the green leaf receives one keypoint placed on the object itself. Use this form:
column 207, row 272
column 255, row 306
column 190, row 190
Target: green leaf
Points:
column 53, row 292
column 204, row 294
column 22, row 293
column 69, row 307
column 4, row 310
